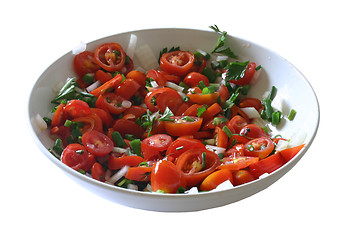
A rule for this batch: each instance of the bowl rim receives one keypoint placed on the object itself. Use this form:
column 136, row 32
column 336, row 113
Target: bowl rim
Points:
column 90, row 180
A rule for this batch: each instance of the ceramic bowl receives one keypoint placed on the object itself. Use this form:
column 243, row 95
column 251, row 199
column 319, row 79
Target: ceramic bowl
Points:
column 293, row 88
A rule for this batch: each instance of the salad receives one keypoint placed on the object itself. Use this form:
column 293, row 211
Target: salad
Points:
column 179, row 122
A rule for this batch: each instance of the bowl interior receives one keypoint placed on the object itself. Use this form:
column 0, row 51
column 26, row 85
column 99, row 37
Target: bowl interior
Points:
column 292, row 87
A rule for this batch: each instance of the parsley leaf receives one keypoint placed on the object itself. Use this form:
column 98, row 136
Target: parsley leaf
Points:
column 165, row 50
column 220, row 45
column 201, row 110
column 166, row 116
column 236, row 70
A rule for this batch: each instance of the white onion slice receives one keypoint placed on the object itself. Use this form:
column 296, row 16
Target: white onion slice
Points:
column 93, row 86
column 251, row 112
column 119, row 174
column 40, row 122
column 79, row 49
column 126, row 104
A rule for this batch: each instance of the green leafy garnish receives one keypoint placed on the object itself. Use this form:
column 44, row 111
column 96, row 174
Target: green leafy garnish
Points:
column 166, row 116
column 165, row 50
column 236, row 70
column 220, row 45
column 201, row 110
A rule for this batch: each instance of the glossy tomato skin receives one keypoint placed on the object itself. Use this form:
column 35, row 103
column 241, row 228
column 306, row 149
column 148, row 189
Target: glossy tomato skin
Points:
column 259, row 147
column 242, row 176
column 161, row 98
column 97, row 143
column 124, row 126
column 266, row 165
column 84, row 63
column 110, row 56
column 236, row 124
column 120, row 162
column 153, row 145
column 166, row 177
column 249, row 73
column 97, row 172
column 233, row 163
column 252, row 131
column 177, row 62
column 193, row 79
column 181, row 145
column 110, row 102
column 191, row 164
column 77, row 157
column 215, row 179
column 77, row 108
column 181, row 127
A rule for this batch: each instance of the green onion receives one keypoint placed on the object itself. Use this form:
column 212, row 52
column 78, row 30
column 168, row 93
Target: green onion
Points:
column 145, row 164
column 58, row 146
column 118, row 139
column 80, row 152
column 201, row 110
column 179, row 148
column 292, row 115
column 276, row 117
column 203, row 159
column 268, row 109
column 219, row 120
column 273, row 93
column 201, row 85
column 227, row 131
column 48, row 121
column 250, row 148
column 68, row 123
column 181, row 190
column 188, row 119
column 209, row 74
column 135, row 145
column 81, row 171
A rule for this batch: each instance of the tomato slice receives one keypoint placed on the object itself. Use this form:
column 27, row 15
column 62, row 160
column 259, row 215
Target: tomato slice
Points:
column 108, row 86
column 266, row 165
column 221, row 138
column 120, row 162
column 211, row 112
column 153, row 145
column 104, row 115
column 102, row 76
column 183, row 125
column 288, row 154
column 252, row 102
column 84, row 63
column 181, row 145
column 77, row 157
column 236, row 124
column 124, row 126
column 91, row 122
column 110, row 56
column 127, row 88
column 160, row 98
column 77, row 108
column 177, row 62
column 98, row 172
column 259, row 147
column 97, row 143
column 215, row 179
column 194, row 167
column 59, row 116
column 170, row 77
column 249, row 73
column 166, row 177
column 193, row 79
column 200, row 98
column 242, row 176
column 138, row 76
column 252, row 131
column 110, row 102
column 141, row 174
column 237, row 163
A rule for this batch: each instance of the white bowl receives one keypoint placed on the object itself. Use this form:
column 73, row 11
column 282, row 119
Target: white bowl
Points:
column 292, row 86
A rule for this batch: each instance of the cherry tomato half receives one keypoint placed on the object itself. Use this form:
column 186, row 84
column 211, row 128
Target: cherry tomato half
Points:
column 259, row 147
column 197, row 164
column 181, row 145
column 97, row 143
column 166, row 177
column 110, row 56
column 249, row 73
column 237, row 163
column 215, row 179
column 77, row 108
column 177, row 62
column 183, row 125
column 242, row 176
column 84, row 63
column 193, row 79
column 77, row 157
column 153, row 145
column 98, row 172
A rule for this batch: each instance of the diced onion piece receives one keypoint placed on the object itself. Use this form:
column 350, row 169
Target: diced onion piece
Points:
column 154, row 84
column 79, row 49
column 126, row 104
column 260, row 122
column 224, row 186
column 132, row 187
column 215, row 149
column 202, row 52
column 40, row 122
column 174, row 86
column 146, row 57
column 132, row 46
column 93, row 86
column 221, row 58
column 192, row 190
column 281, row 145
column 107, row 174
column 297, row 139
column 251, row 112
column 119, row 150
column 119, row 174
column 278, row 103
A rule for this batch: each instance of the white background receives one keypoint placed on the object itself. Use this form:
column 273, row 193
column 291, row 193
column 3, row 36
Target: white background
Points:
column 317, row 199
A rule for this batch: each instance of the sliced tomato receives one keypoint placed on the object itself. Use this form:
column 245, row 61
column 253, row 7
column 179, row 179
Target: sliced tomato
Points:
column 84, row 63
column 236, row 124
column 110, row 102
column 102, row 76
column 77, row 108
column 91, row 122
column 266, row 165
column 249, row 73
column 105, row 116
column 200, row 98
column 77, row 157
column 157, row 76
column 97, row 143
column 59, row 116
column 195, row 167
column 98, row 172
column 224, row 94
column 235, row 139
column 124, row 127
column 252, row 131
column 237, row 163
column 155, row 144
column 242, row 176
column 215, row 179
column 177, row 62
column 120, row 162
column 236, row 151
column 211, row 112
column 183, row 125
column 127, row 88
column 170, row 77
column 161, row 98
column 141, row 174
column 221, row 138
column 194, row 78
column 251, row 102
column 136, row 111
column 259, row 147
column 192, row 110
column 288, row 154
column 165, row 177
column 108, row 86
column 110, row 56
column 181, row 145
column 138, row 76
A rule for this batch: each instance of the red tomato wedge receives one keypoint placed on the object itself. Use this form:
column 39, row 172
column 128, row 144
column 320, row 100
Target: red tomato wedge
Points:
column 97, row 143
column 215, row 179
column 110, row 56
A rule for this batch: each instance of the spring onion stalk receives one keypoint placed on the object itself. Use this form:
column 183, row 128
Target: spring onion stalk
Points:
column 276, row 117
column 292, row 115
column 135, row 145
column 227, row 131
column 118, row 139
